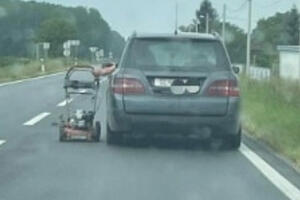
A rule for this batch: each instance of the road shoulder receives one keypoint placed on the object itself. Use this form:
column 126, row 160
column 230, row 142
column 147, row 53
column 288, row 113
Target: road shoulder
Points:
column 281, row 164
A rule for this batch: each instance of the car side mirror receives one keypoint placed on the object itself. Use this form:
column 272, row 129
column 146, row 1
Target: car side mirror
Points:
column 236, row 69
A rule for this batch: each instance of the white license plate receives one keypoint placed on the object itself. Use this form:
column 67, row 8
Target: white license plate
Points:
column 158, row 82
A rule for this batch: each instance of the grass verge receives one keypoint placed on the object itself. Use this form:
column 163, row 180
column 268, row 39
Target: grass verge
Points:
column 31, row 69
column 271, row 112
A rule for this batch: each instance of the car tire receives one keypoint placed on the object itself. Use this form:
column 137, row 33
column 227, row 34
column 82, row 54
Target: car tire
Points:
column 112, row 138
column 97, row 134
column 234, row 142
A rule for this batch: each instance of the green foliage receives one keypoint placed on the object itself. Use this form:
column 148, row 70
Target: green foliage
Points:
column 24, row 23
column 235, row 37
column 236, row 43
column 293, row 23
column 56, row 32
column 235, row 40
column 25, row 68
column 117, row 41
column 8, row 60
column 280, row 29
column 206, row 9
column 270, row 113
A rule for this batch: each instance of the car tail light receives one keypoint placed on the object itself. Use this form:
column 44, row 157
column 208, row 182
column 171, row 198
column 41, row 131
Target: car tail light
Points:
column 224, row 88
column 128, row 86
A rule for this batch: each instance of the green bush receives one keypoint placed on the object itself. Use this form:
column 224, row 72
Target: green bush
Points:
column 9, row 60
column 24, row 68
column 5, row 61
column 271, row 112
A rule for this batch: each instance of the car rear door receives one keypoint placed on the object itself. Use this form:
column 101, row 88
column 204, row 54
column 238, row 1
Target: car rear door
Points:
column 166, row 91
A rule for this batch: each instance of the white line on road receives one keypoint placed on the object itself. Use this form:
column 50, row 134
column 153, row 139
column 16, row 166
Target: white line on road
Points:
column 30, row 79
column 64, row 103
column 2, row 142
column 36, row 119
column 291, row 191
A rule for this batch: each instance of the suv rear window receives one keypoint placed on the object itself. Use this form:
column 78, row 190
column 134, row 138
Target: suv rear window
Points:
column 176, row 54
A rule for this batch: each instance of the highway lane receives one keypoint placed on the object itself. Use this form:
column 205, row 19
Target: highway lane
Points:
column 20, row 102
column 34, row 165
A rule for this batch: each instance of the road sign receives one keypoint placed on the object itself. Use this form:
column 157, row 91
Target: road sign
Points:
column 46, row 45
column 93, row 49
column 110, row 55
column 75, row 42
column 67, row 53
column 66, row 45
column 101, row 53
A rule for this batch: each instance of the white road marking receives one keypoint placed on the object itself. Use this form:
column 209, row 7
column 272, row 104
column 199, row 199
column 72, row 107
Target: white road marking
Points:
column 291, row 191
column 30, row 79
column 64, row 103
column 2, row 142
column 36, row 119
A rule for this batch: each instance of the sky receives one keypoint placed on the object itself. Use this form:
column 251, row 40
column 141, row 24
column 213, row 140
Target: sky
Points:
column 126, row 16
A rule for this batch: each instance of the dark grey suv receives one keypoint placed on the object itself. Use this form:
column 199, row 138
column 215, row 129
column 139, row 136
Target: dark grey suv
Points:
column 175, row 85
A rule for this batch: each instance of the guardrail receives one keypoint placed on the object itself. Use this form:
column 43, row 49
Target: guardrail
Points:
column 257, row 73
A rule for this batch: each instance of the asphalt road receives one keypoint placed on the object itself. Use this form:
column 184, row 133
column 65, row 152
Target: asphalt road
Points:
column 35, row 165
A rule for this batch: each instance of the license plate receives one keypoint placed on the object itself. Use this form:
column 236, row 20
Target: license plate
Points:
column 158, row 82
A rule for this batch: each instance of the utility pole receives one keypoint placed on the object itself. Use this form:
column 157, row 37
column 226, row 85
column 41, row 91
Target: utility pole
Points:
column 176, row 18
column 207, row 23
column 249, row 38
column 299, row 46
column 224, row 23
column 196, row 22
column 37, row 49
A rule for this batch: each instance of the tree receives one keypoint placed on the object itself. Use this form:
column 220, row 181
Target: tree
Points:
column 56, row 32
column 206, row 9
column 117, row 44
column 280, row 29
column 235, row 36
column 293, row 26
column 235, row 42
column 25, row 23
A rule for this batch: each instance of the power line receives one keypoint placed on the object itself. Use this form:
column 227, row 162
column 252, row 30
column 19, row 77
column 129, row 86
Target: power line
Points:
column 235, row 18
column 272, row 4
column 240, row 8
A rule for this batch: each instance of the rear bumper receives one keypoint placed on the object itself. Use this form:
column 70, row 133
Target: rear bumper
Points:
column 151, row 124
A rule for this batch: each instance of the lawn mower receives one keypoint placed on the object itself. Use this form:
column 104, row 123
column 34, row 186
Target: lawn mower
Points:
column 79, row 124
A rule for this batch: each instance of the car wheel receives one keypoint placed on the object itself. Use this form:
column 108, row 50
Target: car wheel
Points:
column 97, row 133
column 112, row 138
column 234, row 142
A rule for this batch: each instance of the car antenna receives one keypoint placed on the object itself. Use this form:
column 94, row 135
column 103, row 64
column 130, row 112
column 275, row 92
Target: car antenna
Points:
column 176, row 18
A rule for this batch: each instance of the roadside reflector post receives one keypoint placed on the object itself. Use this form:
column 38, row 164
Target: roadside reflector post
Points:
column 76, row 61
column 43, row 67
